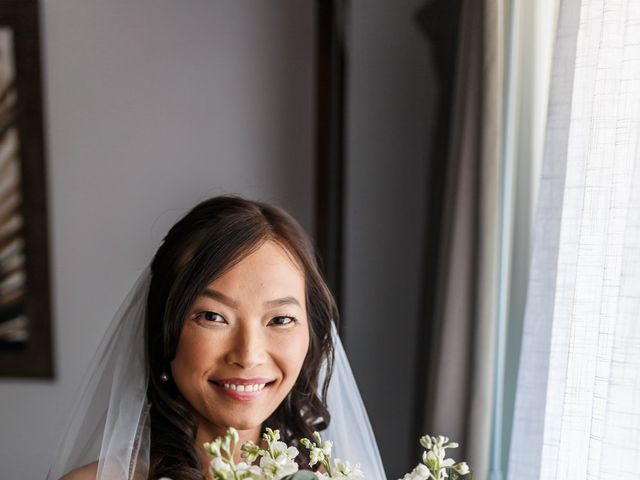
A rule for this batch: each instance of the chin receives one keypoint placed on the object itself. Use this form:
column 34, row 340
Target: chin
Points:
column 247, row 425
column 242, row 422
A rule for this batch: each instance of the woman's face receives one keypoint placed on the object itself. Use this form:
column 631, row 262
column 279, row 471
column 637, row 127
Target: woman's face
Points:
column 244, row 341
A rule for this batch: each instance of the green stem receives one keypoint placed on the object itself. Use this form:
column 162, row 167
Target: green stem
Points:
column 327, row 465
column 231, row 461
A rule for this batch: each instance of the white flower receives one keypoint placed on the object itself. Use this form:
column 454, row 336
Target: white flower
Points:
column 462, row 468
column 430, row 459
column 246, row 471
column 421, row 472
column 250, row 451
column 325, row 446
column 279, row 467
column 447, row 462
column 344, row 469
column 314, row 456
column 219, row 469
column 292, row 452
column 281, row 448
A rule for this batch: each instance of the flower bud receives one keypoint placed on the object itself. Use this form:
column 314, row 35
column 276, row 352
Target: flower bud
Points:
column 425, row 441
column 462, row 468
column 226, row 444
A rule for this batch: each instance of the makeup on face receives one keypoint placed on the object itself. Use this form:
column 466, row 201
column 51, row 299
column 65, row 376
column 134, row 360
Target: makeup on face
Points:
column 244, row 342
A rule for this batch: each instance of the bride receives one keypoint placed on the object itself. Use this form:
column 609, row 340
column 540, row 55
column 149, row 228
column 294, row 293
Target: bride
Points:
column 231, row 325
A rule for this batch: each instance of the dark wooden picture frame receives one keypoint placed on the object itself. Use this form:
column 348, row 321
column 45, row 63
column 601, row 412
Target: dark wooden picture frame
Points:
column 25, row 312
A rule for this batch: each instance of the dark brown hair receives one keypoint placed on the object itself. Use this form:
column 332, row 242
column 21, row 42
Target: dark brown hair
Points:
column 213, row 237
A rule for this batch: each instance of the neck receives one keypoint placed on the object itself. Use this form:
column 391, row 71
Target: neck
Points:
column 208, row 432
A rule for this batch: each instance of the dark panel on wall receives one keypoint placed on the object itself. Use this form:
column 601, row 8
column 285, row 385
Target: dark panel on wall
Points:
column 329, row 148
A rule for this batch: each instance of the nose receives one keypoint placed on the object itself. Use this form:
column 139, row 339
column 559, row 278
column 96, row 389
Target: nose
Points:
column 248, row 347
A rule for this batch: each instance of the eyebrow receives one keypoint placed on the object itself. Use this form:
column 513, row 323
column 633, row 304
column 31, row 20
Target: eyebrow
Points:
column 221, row 297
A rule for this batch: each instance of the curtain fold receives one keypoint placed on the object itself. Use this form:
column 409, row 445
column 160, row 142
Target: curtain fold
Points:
column 526, row 440
column 577, row 412
column 532, row 33
column 461, row 341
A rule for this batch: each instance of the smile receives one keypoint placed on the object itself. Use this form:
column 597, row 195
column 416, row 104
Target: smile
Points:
column 242, row 392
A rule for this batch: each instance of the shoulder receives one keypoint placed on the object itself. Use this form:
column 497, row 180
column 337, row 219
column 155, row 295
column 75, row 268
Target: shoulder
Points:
column 88, row 472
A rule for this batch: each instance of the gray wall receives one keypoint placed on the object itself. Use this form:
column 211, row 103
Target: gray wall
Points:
column 151, row 106
column 391, row 95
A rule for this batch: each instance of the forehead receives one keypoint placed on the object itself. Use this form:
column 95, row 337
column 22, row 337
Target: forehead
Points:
column 270, row 269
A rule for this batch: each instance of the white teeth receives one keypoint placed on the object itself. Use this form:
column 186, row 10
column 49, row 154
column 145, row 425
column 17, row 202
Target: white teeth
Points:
column 245, row 388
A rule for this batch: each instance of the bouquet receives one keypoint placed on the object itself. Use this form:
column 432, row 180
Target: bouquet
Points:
column 434, row 464
column 276, row 461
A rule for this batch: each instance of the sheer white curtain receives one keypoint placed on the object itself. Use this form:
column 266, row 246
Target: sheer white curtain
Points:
column 577, row 412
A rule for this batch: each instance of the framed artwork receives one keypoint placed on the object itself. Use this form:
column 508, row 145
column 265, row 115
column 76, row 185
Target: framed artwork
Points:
column 25, row 313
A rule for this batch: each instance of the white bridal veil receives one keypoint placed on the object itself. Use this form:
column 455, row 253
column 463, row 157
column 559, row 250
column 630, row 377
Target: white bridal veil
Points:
column 110, row 421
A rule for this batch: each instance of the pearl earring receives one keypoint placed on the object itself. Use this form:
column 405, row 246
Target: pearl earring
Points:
column 164, row 377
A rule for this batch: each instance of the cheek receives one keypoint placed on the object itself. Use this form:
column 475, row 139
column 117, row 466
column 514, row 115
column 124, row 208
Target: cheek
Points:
column 293, row 353
column 191, row 356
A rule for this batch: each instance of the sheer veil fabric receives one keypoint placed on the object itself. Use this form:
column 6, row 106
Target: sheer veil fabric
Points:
column 110, row 419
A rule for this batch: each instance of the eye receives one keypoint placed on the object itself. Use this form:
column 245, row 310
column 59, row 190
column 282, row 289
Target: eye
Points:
column 283, row 320
column 212, row 317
